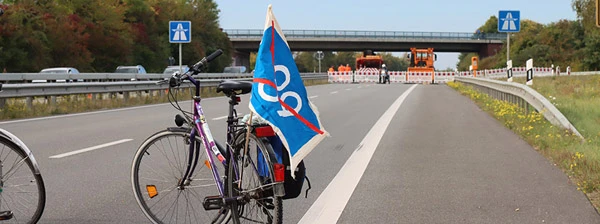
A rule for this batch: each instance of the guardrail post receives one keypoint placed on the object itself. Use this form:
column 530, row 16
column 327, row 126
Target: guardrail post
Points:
column 522, row 103
column 29, row 102
column 53, row 100
column 2, row 102
column 125, row 96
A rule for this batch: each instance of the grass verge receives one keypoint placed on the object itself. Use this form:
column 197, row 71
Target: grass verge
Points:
column 564, row 149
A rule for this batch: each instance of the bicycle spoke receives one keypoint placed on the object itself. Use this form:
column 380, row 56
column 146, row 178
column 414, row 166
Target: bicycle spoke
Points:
column 13, row 169
column 164, row 196
column 162, row 163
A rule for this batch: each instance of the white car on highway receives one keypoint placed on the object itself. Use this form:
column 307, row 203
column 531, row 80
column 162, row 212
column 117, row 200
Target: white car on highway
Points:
column 137, row 69
column 59, row 70
column 173, row 68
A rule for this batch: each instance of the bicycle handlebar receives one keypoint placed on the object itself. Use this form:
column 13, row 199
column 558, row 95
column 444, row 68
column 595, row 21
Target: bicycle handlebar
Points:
column 197, row 67
column 175, row 80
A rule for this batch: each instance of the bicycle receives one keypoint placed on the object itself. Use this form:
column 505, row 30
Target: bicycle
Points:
column 22, row 190
column 173, row 178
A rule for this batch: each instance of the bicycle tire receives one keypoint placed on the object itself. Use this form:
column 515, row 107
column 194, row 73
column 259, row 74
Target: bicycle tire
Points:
column 169, row 149
column 270, row 206
column 17, row 182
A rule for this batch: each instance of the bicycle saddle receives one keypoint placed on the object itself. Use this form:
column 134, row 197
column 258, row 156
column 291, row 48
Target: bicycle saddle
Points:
column 230, row 86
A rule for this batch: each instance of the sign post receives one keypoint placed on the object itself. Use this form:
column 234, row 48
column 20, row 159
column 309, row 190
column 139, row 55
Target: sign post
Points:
column 319, row 55
column 598, row 13
column 509, row 22
column 529, row 65
column 509, row 70
column 180, row 32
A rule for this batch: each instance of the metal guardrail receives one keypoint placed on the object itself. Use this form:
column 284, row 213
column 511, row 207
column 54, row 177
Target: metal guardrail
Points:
column 59, row 89
column 523, row 96
column 300, row 34
column 106, row 77
column 580, row 73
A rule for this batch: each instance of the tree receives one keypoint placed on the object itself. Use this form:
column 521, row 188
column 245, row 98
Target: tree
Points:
column 394, row 63
column 97, row 35
column 590, row 54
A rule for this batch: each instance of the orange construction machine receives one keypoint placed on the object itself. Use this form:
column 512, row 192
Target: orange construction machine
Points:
column 421, row 60
column 369, row 61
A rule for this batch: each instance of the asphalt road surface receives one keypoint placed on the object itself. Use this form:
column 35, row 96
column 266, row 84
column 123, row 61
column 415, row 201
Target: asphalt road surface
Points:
column 397, row 154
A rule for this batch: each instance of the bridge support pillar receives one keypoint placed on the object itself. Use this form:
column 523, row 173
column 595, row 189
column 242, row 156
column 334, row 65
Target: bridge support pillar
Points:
column 489, row 49
column 241, row 58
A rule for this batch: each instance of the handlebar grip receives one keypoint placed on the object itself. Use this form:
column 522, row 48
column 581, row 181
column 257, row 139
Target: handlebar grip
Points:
column 197, row 67
column 214, row 55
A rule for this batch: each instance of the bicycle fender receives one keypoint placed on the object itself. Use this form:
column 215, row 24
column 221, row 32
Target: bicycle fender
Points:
column 174, row 129
column 19, row 143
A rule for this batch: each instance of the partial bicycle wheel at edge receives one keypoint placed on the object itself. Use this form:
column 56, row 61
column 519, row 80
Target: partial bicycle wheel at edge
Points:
column 22, row 191
column 157, row 170
column 259, row 205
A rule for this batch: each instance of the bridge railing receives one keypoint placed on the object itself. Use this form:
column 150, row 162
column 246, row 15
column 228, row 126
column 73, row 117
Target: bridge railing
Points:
column 299, row 34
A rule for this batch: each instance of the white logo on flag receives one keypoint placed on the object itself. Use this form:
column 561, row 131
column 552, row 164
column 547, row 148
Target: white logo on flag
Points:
column 509, row 22
column 180, row 33
column 283, row 112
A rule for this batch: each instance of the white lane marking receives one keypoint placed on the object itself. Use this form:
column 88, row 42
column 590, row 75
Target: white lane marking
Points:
column 348, row 89
column 360, row 87
column 89, row 149
column 331, row 203
column 334, row 92
column 312, row 97
column 219, row 118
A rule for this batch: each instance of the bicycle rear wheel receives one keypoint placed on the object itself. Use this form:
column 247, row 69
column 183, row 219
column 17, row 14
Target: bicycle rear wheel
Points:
column 159, row 166
column 22, row 191
column 252, row 177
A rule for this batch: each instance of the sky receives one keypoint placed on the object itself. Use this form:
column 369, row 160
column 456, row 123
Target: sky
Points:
column 388, row 15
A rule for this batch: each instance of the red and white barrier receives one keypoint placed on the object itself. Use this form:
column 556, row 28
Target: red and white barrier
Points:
column 371, row 75
column 419, row 77
column 340, row 77
column 397, row 77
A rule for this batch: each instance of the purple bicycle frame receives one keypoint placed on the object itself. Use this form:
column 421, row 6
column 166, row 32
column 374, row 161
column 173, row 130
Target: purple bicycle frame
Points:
column 207, row 138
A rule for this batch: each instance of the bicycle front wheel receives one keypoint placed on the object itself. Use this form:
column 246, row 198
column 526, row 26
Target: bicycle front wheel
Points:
column 252, row 179
column 157, row 171
column 22, row 191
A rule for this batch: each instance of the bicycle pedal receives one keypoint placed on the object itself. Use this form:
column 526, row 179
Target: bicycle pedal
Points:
column 213, row 202
column 6, row 215
column 268, row 203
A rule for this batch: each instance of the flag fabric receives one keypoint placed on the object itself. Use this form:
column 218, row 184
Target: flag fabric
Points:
column 279, row 96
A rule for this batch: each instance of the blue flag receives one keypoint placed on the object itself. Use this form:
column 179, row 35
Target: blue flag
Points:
column 280, row 98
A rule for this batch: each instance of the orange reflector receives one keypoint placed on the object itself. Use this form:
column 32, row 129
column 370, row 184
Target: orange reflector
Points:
column 207, row 163
column 152, row 192
column 264, row 131
column 279, row 170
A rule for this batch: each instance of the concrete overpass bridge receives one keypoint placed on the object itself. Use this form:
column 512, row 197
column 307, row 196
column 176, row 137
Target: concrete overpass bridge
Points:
column 247, row 40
